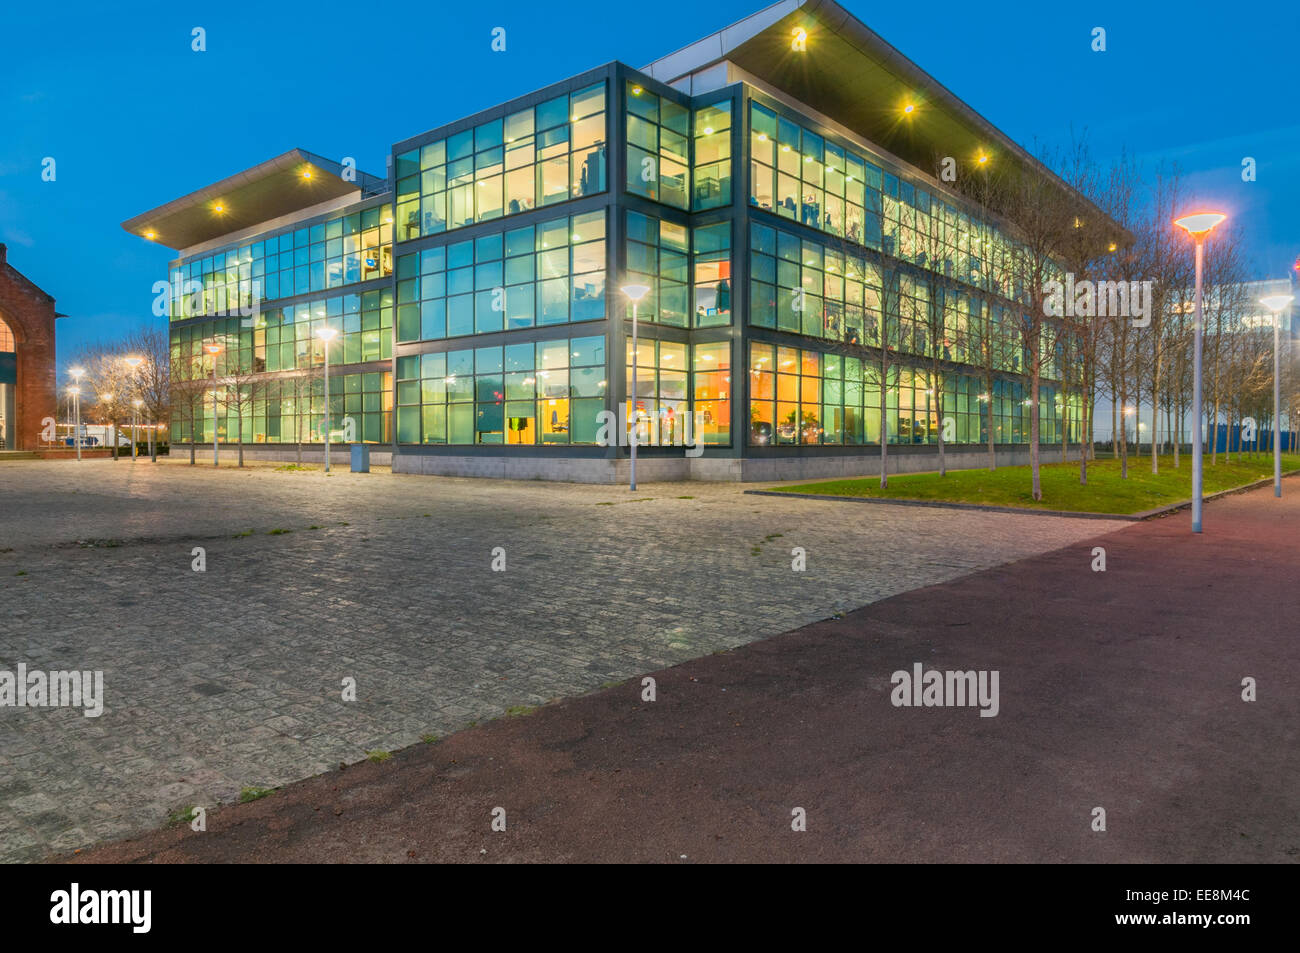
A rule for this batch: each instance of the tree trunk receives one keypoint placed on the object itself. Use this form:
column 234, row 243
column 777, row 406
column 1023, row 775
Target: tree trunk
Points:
column 1033, row 434
column 1123, row 436
column 1114, row 424
column 884, row 404
column 938, row 396
column 988, row 416
column 1086, row 410
column 1155, row 415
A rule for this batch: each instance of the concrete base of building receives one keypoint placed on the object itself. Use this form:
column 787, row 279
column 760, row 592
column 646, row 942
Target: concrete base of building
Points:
column 658, row 469
column 261, row 453
column 649, row 469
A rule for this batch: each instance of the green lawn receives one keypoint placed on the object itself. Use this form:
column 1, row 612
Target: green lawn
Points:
column 1105, row 492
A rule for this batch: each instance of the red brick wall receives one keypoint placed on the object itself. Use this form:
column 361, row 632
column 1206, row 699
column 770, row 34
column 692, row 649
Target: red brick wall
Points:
column 29, row 312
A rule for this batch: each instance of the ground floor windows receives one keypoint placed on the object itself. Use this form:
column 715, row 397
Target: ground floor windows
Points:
column 289, row 410
column 543, row 393
column 683, row 393
column 812, row 398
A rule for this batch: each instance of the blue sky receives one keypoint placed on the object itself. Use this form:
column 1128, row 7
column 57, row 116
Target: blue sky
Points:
column 134, row 118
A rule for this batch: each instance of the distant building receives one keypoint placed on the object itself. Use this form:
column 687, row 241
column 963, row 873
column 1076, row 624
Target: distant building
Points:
column 27, row 388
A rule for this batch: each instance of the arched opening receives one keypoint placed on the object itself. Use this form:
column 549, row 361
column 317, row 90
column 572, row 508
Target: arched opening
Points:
column 8, row 382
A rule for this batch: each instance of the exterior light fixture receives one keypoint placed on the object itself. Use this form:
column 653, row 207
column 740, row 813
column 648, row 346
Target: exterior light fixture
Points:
column 327, row 334
column 909, row 108
column 1111, row 247
column 983, row 158
column 1198, row 225
column 634, row 294
column 151, row 234
column 214, row 349
column 75, row 391
column 1277, row 304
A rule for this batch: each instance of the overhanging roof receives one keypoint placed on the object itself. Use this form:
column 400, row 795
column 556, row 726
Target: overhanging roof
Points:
column 850, row 74
column 281, row 186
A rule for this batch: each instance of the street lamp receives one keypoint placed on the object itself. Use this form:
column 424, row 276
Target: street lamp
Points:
column 327, row 334
column 1198, row 226
column 133, row 363
column 75, row 391
column 107, row 401
column 634, row 294
column 135, row 417
column 214, row 349
column 1277, row 304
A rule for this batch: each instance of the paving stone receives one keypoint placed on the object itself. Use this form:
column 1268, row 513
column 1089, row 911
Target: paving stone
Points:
column 233, row 677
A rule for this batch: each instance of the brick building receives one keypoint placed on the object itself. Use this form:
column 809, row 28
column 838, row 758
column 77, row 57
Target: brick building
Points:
column 27, row 381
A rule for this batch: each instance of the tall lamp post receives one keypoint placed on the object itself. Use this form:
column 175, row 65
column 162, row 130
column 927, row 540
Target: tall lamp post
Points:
column 135, row 423
column 106, row 400
column 634, row 294
column 75, row 390
column 327, row 334
column 214, row 349
column 1277, row 304
column 134, row 363
column 1198, row 226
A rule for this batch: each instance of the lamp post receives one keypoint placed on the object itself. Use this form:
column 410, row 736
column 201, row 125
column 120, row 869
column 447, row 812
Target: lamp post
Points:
column 1198, row 226
column 634, row 294
column 107, row 400
column 75, row 390
column 135, row 418
column 134, row 363
column 214, row 349
column 1277, row 304
column 327, row 334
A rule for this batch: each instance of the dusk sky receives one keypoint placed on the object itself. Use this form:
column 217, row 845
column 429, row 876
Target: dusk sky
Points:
column 134, row 118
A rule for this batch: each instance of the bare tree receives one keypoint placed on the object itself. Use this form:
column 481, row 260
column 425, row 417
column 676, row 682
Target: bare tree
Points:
column 242, row 387
column 153, row 378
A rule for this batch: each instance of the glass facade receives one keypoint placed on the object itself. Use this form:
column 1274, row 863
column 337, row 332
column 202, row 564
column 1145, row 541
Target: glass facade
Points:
column 528, row 159
column 341, row 251
column 545, row 393
column 806, row 397
column 536, row 275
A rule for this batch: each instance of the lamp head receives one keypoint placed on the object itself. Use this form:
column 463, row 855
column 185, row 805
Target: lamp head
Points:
column 1277, row 303
column 1199, row 224
column 327, row 334
column 635, row 292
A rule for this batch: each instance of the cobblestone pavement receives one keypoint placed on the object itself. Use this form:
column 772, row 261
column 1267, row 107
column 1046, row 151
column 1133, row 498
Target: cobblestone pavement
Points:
column 233, row 677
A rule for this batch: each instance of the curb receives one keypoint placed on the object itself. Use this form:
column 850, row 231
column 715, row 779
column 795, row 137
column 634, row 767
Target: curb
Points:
column 989, row 508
